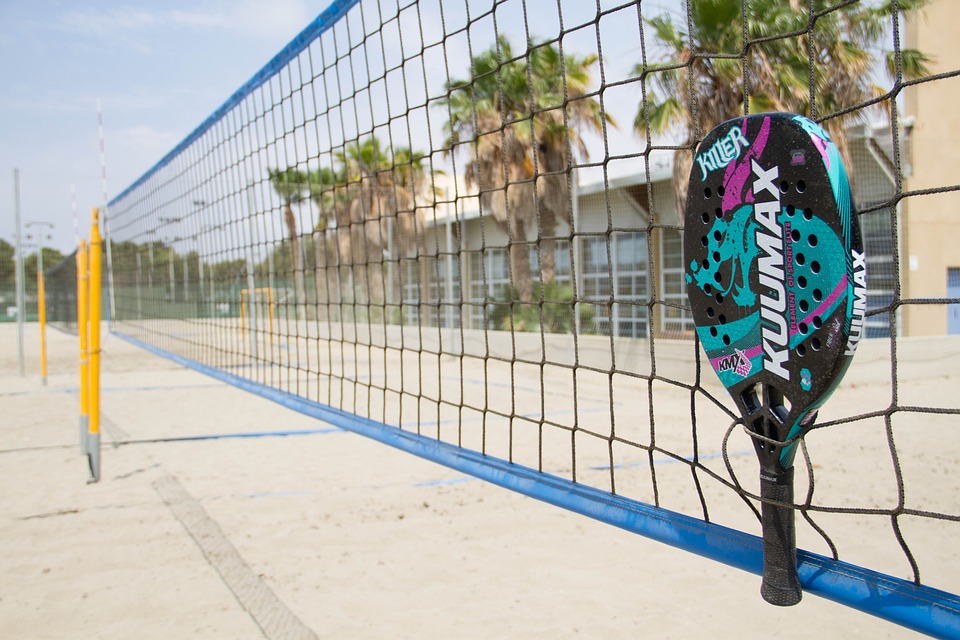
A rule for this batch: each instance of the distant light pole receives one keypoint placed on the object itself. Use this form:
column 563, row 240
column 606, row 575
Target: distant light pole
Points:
column 39, row 223
column 170, row 242
column 41, row 289
column 18, row 267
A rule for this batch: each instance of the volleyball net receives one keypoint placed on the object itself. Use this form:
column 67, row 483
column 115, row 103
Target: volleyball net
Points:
column 455, row 228
column 61, row 294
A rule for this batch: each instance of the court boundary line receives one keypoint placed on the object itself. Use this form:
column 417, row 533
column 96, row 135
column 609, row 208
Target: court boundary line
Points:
column 268, row 611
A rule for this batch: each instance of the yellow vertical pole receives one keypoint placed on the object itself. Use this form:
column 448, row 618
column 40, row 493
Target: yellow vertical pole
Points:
column 93, row 345
column 82, row 308
column 42, row 310
column 243, row 312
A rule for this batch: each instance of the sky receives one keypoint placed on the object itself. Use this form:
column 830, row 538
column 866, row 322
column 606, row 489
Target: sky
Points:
column 158, row 70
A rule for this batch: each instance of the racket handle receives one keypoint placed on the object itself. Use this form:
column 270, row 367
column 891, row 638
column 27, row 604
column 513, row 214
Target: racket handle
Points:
column 781, row 584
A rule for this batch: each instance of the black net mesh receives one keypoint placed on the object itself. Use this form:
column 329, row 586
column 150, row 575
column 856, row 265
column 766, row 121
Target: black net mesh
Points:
column 60, row 292
column 461, row 219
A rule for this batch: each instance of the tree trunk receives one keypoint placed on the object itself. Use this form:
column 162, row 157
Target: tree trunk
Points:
column 320, row 268
column 520, row 215
column 682, row 162
column 522, row 279
column 296, row 257
column 344, row 268
column 554, row 198
column 510, row 203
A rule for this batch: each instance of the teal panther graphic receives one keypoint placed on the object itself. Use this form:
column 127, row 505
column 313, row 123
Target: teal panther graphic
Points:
column 732, row 241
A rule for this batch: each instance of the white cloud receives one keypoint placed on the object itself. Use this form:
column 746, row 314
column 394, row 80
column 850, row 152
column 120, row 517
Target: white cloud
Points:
column 143, row 142
column 140, row 147
column 118, row 26
column 54, row 100
column 252, row 18
column 39, row 104
column 99, row 23
column 280, row 18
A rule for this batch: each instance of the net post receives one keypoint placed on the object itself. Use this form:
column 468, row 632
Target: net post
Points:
column 93, row 346
column 18, row 270
column 82, row 308
column 243, row 313
column 139, row 293
column 213, row 295
column 42, row 313
column 251, row 289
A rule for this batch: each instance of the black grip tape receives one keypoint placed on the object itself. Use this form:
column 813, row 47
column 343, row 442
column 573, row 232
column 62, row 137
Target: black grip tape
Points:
column 781, row 584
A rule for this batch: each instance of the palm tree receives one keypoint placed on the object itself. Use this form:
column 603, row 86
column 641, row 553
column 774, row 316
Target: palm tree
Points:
column 706, row 76
column 325, row 188
column 359, row 240
column 486, row 113
column 7, row 263
column 373, row 195
column 290, row 184
column 560, row 111
column 520, row 125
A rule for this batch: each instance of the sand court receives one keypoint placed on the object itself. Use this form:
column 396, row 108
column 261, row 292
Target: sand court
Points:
column 220, row 514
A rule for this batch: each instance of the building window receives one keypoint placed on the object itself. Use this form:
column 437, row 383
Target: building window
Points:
column 595, row 278
column 411, row 291
column 627, row 316
column 563, row 262
column 673, row 320
column 489, row 281
column 443, row 275
column 630, row 296
column 497, row 286
column 431, row 274
column 877, row 234
column 561, row 256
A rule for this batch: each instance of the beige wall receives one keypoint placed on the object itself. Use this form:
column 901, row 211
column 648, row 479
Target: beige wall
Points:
column 931, row 223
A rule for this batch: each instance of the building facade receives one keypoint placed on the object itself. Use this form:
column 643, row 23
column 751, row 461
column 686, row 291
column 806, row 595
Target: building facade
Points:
column 621, row 250
column 930, row 220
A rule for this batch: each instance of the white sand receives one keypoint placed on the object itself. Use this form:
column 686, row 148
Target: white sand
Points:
column 357, row 540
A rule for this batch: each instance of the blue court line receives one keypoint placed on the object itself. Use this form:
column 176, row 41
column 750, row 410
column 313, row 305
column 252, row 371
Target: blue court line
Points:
column 435, row 483
column 237, row 435
column 523, row 416
column 918, row 607
column 281, row 494
column 41, row 392
column 605, row 467
column 646, row 463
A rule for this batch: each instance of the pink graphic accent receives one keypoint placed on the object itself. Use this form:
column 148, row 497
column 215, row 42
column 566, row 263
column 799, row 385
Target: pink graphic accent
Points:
column 838, row 291
column 738, row 172
column 745, row 365
column 752, row 352
column 821, row 146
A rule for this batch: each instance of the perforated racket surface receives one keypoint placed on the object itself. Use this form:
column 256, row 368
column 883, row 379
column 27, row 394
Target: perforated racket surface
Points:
column 777, row 283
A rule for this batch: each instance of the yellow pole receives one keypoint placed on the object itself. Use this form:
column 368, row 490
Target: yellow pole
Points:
column 243, row 311
column 82, row 308
column 42, row 309
column 93, row 346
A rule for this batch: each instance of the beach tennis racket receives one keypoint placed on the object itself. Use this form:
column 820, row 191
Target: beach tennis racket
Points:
column 776, row 279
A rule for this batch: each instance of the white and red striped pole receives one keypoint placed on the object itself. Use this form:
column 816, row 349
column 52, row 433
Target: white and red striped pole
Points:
column 105, row 213
column 76, row 218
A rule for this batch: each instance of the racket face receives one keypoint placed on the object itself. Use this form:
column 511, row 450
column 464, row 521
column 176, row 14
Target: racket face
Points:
column 775, row 270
